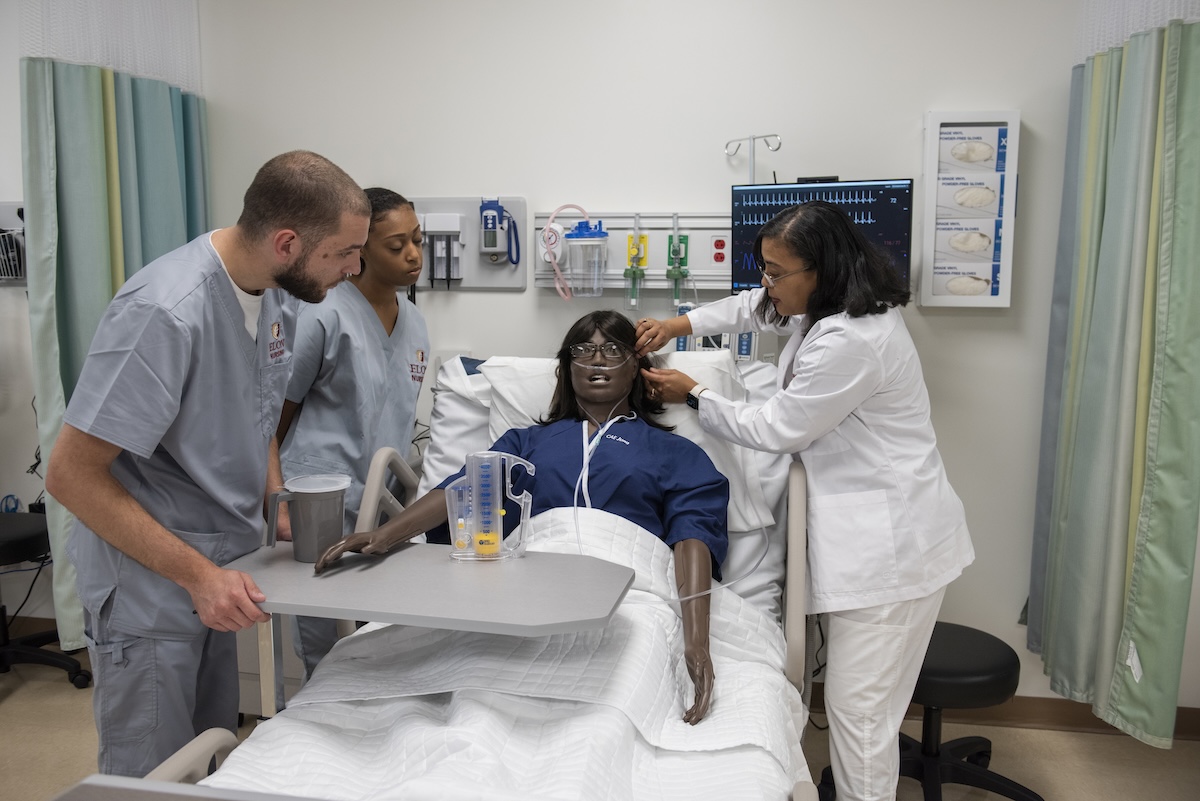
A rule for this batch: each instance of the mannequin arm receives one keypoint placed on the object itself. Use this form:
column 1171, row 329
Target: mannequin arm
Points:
column 423, row 514
column 693, row 574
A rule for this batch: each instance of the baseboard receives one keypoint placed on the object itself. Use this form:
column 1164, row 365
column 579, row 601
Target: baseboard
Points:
column 1029, row 712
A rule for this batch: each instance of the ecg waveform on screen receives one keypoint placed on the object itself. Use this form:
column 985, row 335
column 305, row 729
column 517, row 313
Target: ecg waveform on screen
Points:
column 759, row 220
column 881, row 209
column 779, row 200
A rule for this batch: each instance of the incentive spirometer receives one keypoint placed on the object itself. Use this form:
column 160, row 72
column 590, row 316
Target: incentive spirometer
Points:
column 475, row 506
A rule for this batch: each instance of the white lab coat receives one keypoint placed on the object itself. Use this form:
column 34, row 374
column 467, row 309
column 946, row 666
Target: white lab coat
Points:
column 884, row 524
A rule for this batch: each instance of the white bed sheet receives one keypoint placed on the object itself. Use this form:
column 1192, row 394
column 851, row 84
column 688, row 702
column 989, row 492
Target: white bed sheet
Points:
column 403, row 712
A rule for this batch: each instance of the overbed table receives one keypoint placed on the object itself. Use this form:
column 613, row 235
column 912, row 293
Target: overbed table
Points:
column 418, row 584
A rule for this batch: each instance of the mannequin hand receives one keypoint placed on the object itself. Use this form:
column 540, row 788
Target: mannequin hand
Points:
column 700, row 668
column 367, row 542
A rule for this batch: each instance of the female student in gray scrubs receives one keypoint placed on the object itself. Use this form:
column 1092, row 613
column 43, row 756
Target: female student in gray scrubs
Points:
column 359, row 362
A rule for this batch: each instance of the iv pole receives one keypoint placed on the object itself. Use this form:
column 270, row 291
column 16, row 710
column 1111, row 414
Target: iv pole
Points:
column 766, row 138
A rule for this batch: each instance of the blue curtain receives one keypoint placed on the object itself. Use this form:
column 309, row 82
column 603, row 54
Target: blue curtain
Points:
column 115, row 174
column 1117, row 508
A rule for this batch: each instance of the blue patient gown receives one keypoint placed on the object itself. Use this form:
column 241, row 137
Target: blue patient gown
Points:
column 663, row 482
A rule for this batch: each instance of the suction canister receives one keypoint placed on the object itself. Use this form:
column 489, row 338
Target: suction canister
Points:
column 587, row 258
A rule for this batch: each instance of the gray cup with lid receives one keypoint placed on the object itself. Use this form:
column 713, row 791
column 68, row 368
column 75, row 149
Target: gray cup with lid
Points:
column 315, row 507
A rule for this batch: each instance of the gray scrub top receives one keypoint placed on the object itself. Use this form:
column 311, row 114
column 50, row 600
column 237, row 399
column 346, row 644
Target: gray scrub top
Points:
column 358, row 387
column 175, row 380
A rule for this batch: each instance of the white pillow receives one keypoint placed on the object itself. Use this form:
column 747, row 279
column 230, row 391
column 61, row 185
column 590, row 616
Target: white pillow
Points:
column 458, row 423
column 523, row 387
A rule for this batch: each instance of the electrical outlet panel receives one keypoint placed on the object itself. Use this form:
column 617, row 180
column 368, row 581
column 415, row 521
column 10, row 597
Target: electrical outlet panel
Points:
column 720, row 250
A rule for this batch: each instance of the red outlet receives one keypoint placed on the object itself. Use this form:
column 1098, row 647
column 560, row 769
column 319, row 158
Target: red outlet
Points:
column 719, row 249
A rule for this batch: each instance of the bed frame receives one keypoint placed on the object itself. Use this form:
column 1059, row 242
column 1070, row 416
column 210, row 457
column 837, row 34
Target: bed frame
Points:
column 191, row 763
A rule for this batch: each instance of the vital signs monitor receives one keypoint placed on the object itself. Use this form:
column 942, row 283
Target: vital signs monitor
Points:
column 881, row 208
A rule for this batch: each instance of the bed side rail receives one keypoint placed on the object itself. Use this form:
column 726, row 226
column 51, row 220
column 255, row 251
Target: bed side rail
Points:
column 376, row 497
column 795, row 588
column 190, row 764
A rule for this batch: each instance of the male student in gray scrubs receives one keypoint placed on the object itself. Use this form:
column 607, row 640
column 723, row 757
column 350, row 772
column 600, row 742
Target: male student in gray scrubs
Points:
column 164, row 451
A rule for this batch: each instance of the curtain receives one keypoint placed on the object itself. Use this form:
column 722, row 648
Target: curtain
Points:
column 1117, row 508
column 115, row 175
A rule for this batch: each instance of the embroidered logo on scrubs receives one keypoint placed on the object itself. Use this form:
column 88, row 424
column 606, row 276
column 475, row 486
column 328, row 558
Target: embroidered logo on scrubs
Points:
column 278, row 344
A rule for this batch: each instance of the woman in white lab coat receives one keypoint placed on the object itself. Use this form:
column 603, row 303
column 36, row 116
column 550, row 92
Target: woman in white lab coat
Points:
column 886, row 531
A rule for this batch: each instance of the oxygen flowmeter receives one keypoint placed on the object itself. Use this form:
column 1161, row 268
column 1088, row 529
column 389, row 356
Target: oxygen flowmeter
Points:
column 677, row 259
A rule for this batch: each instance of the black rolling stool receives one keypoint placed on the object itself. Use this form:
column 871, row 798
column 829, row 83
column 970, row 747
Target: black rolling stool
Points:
column 964, row 668
column 24, row 538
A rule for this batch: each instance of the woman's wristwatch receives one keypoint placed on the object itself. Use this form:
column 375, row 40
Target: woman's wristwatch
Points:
column 693, row 396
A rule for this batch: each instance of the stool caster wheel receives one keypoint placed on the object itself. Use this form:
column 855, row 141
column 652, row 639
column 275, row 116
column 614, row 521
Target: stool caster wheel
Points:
column 980, row 758
column 81, row 679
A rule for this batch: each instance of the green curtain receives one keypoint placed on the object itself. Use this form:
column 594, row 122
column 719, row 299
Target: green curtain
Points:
column 1118, row 509
column 115, row 174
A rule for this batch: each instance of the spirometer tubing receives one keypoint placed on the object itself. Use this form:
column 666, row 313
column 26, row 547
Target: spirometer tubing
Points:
column 589, row 448
column 722, row 586
column 561, row 285
column 727, row 584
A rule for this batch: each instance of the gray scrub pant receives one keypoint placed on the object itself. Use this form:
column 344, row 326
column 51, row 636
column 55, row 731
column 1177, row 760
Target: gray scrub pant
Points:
column 312, row 638
column 152, row 696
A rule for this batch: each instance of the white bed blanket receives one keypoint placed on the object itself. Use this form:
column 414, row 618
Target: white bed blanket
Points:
column 410, row 713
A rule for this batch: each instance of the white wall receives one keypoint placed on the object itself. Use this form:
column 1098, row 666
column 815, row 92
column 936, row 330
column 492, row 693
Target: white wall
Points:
column 626, row 106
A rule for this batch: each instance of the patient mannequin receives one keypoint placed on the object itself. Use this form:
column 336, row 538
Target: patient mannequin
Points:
column 667, row 484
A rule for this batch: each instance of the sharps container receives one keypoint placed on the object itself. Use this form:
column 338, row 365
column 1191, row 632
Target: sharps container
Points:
column 587, row 258
column 315, row 505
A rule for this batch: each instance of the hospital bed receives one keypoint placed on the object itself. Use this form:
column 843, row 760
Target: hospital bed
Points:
column 368, row 702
